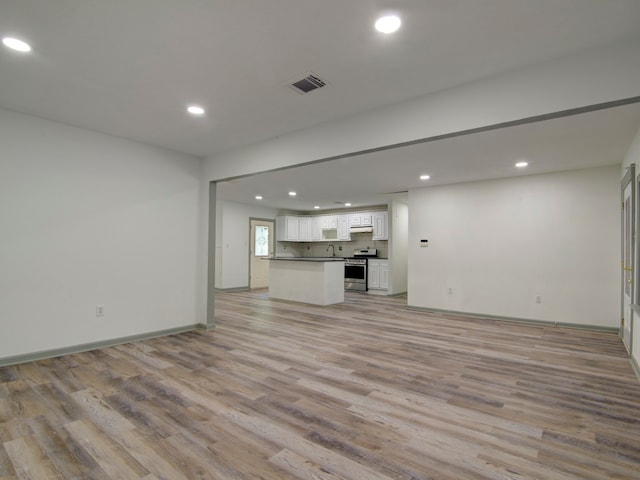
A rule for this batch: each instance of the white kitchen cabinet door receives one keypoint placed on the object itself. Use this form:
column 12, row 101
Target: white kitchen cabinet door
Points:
column 304, row 229
column 373, row 274
column 332, row 222
column 366, row 219
column 380, row 226
column 378, row 274
column 361, row 219
column 287, row 228
column 316, row 229
column 328, row 222
column 344, row 232
column 384, row 275
column 292, row 228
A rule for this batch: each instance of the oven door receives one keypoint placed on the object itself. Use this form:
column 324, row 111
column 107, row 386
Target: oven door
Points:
column 355, row 276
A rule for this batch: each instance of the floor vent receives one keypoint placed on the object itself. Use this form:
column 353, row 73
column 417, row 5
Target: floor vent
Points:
column 307, row 84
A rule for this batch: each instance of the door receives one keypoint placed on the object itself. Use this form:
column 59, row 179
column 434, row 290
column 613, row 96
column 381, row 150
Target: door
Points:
column 261, row 247
column 628, row 250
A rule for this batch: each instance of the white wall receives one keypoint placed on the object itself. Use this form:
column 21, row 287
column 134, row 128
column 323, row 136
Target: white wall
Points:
column 398, row 244
column 89, row 219
column 232, row 242
column 596, row 76
column 499, row 244
column 633, row 156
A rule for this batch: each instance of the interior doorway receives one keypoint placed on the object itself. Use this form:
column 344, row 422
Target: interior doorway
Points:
column 628, row 256
column 260, row 247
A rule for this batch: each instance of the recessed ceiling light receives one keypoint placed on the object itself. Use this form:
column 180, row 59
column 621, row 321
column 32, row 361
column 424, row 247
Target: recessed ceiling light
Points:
column 195, row 110
column 292, row 194
column 424, row 177
column 258, row 197
column 316, row 207
column 388, row 24
column 16, row 44
column 521, row 164
column 347, row 204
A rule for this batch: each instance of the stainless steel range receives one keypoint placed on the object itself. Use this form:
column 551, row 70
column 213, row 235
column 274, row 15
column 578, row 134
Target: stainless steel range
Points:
column 355, row 269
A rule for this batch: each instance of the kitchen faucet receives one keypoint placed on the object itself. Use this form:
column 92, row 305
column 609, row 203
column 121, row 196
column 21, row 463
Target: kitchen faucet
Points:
column 333, row 250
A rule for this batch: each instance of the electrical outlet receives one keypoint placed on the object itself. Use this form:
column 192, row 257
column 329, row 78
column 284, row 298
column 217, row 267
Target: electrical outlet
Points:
column 538, row 298
column 99, row 310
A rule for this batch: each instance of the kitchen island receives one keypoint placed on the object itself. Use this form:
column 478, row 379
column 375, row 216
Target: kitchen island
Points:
column 319, row 281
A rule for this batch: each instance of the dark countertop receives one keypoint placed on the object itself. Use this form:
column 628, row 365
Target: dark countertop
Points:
column 309, row 259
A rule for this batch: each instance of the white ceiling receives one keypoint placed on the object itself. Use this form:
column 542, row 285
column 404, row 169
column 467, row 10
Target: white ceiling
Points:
column 129, row 68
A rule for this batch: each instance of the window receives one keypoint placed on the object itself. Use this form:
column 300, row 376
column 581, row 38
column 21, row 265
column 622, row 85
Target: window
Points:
column 261, row 248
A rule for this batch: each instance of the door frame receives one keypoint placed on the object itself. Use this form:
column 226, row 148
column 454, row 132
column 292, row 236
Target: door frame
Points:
column 629, row 179
column 250, row 249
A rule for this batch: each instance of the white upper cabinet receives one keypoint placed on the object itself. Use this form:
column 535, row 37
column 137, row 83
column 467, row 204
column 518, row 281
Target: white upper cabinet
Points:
column 344, row 232
column 304, row 229
column 360, row 219
column 287, row 228
column 316, row 228
column 380, row 226
column 328, row 222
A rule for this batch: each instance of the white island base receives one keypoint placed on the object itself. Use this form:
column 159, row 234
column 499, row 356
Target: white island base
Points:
column 315, row 281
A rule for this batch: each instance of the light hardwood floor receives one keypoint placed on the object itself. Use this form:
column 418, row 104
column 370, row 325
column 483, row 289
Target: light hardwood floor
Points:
column 363, row 390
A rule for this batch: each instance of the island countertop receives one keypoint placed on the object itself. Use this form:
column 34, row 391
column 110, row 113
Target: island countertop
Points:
column 309, row 259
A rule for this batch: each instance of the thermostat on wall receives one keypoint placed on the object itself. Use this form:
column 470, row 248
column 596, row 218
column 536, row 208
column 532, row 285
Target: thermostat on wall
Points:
column 424, row 243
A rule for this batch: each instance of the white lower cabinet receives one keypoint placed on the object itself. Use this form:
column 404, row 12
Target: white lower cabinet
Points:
column 378, row 274
column 384, row 276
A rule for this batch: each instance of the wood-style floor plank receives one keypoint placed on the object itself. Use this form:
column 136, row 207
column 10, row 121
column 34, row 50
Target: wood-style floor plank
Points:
column 367, row 389
column 29, row 460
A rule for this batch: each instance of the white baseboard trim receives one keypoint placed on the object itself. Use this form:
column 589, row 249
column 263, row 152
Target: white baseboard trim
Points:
column 580, row 326
column 635, row 366
column 232, row 289
column 58, row 352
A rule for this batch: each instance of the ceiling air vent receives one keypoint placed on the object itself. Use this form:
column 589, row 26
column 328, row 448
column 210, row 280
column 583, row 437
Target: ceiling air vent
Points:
column 307, row 84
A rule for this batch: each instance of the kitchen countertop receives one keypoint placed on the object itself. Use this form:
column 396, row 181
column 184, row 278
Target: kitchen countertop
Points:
column 320, row 259
column 309, row 259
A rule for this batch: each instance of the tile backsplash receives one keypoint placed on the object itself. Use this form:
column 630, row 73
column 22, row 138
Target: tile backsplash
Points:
column 322, row 249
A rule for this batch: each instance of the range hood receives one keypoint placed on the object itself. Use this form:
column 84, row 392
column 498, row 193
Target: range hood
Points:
column 361, row 229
